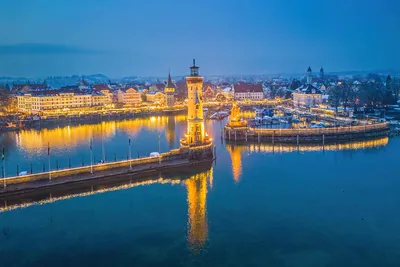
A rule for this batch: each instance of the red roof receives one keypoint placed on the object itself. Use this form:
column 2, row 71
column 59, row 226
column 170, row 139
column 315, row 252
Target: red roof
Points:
column 248, row 87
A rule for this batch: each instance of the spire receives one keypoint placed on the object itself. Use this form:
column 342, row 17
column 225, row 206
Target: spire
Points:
column 309, row 69
column 170, row 84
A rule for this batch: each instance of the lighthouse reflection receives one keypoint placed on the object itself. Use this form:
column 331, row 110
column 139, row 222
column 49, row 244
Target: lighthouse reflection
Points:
column 194, row 181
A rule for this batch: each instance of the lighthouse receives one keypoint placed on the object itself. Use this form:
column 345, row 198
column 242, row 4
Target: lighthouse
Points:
column 195, row 130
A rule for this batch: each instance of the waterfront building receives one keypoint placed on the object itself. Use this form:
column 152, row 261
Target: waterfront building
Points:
column 107, row 93
column 247, row 91
column 307, row 95
column 129, row 96
column 52, row 100
column 169, row 92
column 156, row 98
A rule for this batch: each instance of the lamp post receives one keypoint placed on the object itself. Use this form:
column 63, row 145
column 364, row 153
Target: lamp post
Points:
column 130, row 155
column 159, row 149
column 91, row 157
column 48, row 155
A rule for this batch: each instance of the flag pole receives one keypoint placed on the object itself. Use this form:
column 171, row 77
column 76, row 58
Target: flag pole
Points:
column 48, row 155
column 130, row 155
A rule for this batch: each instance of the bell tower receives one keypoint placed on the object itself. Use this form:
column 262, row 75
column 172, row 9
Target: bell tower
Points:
column 170, row 92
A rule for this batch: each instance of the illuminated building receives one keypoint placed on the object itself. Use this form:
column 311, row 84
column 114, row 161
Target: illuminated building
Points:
column 307, row 95
column 169, row 92
column 248, row 91
column 39, row 101
column 129, row 96
column 195, row 130
column 155, row 97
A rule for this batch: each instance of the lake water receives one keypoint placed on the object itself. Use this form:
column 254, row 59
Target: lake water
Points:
column 258, row 205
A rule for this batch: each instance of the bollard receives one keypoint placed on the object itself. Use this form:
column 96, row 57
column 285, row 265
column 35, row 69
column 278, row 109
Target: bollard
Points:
column 115, row 157
column 235, row 136
column 69, row 163
column 83, row 163
column 297, row 140
column 31, row 168
column 17, row 170
column 44, row 167
column 57, row 164
column 2, row 172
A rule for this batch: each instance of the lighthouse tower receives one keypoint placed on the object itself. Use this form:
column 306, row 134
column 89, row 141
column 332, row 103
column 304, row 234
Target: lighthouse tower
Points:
column 195, row 131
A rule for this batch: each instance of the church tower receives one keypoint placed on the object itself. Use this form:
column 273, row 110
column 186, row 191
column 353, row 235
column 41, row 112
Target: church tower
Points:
column 169, row 92
column 195, row 131
column 309, row 76
column 321, row 73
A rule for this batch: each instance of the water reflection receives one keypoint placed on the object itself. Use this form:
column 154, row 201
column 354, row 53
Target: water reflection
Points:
column 195, row 182
column 197, row 209
column 69, row 137
column 235, row 150
column 235, row 153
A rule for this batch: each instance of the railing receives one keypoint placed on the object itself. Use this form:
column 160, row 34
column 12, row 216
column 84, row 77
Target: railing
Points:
column 86, row 169
column 320, row 131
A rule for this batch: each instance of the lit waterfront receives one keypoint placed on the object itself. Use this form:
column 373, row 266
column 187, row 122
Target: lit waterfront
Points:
column 278, row 205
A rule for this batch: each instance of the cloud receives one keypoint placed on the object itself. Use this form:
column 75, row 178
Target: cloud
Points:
column 40, row 48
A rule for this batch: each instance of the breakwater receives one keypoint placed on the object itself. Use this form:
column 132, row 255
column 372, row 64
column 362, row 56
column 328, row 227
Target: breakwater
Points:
column 314, row 135
column 176, row 158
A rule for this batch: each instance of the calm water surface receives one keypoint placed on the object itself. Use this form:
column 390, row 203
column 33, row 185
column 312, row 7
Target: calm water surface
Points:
column 257, row 206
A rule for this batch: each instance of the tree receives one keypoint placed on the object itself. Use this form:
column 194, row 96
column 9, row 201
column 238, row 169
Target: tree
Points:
column 396, row 88
column 5, row 97
column 335, row 95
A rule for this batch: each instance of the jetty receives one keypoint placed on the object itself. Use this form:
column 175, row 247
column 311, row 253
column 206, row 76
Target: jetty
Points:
column 239, row 131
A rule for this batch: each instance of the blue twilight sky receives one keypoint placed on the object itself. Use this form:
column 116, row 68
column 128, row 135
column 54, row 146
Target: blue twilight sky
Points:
column 147, row 37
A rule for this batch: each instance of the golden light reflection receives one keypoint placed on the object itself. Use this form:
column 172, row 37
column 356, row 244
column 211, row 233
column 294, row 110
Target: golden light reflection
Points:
column 280, row 148
column 69, row 137
column 52, row 199
column 236, row 156
column 197, row 209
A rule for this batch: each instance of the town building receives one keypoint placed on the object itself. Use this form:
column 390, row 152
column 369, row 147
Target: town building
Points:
column 248, row 91
column 307, row 95
column 57, row 100
column 156, row 98
column 158, row 87
column 169, row 92
column 129, row 97
column 208, row 90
